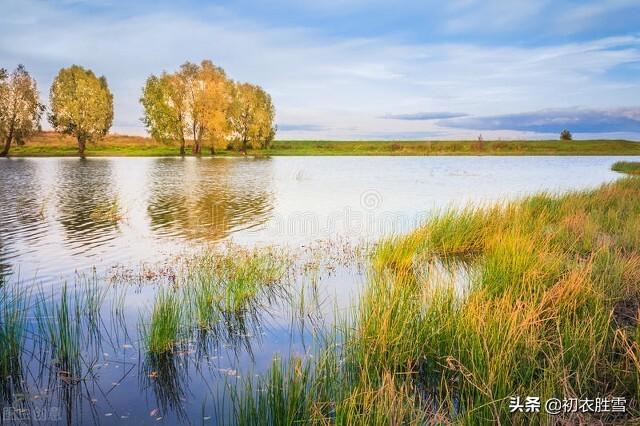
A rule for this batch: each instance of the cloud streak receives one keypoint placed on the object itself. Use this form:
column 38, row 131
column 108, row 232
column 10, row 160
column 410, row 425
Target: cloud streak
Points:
column 328, row 85
column 578, row 120
column 423, row 116
column 300, row 127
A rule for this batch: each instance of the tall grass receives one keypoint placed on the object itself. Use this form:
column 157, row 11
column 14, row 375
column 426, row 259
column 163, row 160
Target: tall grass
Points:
column 551, row 310
column 13, row 315
column 219, row 290
column 163, row 331
column 59, row 322
column 629, row 167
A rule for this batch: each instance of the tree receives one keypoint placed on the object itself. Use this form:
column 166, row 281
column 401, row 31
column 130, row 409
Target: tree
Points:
column 20, row 110
column 242, row 114
column 214, row 104
column 565, row 135
column 81, row 105
column 192, row 102
column 165, row 114
column 265, row 113
column 251, row 117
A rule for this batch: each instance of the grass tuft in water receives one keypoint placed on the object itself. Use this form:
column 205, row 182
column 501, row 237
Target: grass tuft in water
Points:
column 60, row 324
column 162, row 332
column 630, row 167
column 13, row 318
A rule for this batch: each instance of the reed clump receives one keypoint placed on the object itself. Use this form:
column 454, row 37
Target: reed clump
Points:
column 219, row 290
column 13, row 317
column 629, row 167
column 550, row 308
column 163, row 331
column 540, row 314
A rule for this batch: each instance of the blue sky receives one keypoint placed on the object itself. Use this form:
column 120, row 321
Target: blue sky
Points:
column 355, row 69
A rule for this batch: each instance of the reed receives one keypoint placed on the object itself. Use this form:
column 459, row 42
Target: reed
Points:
column 59, row 322
column 162, row 332
column 629, row 167
column 13, row 317
column 550, row 309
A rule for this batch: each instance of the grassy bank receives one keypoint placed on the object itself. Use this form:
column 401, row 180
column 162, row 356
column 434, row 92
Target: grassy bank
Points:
column 538, row 297
column 51, row 144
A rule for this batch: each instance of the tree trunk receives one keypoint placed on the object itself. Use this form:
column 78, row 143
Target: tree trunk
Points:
column 197, row 139
column 7, row 141
column 212, row 149
column 182, row 152
column 244, row 146
column 5, row 149
column 82, row 143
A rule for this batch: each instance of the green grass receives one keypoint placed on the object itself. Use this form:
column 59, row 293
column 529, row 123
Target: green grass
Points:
column 52, row 144
column 283, row 397
column 162, row 333
column 60, row 323
column 629, row 167
column 228, row 283
column 13, row 317
column 220, row 289
column 548, row 147
column 549, row 309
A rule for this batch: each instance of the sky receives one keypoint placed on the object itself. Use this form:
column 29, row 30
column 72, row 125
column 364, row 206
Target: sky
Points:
column 355, row 69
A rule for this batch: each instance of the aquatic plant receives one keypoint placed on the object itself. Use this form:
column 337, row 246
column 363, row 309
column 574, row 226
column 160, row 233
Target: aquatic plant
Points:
column 13, row 315
column 551, row 310
column 232, row 281
column 59, row 323
column 162, row 332
column 280, row 398
column 630, row 167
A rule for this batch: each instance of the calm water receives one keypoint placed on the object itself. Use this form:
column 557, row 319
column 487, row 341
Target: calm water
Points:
column 62, row 215
column 61, row 218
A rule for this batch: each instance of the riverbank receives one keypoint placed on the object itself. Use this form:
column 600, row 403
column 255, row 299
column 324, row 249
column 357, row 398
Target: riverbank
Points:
column 48, row 144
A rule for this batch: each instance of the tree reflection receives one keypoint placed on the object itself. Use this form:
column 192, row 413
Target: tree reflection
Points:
column 88, row 207
column 206, row 199
column 22, row 209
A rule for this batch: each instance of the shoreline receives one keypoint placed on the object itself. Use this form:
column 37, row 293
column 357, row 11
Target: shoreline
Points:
column 48, row 144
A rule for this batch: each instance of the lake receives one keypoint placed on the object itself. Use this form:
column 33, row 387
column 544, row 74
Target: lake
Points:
column 55, row 212
column 131, row 225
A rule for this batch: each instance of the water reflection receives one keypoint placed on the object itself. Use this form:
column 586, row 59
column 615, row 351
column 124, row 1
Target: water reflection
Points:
column 22, row 210
column 59, row 215
column 208, row 199
column 62, row 215
column 88, row 207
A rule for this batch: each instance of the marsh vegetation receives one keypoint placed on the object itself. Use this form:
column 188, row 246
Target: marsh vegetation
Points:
column 441, row 325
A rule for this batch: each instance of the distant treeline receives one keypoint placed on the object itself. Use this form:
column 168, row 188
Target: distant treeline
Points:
column 198, row 103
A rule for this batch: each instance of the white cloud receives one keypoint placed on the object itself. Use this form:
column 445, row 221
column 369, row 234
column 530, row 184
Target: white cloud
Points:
column 343, row 86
